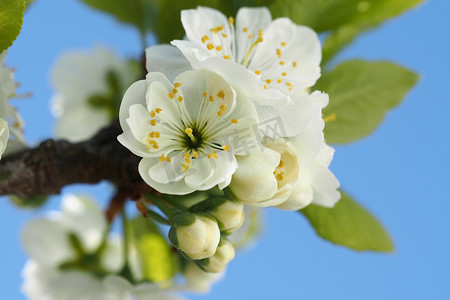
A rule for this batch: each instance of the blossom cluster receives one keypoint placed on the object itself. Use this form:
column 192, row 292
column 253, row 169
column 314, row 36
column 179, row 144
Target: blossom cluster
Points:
column 225, row 122
column 11, row 124
column 231, row 107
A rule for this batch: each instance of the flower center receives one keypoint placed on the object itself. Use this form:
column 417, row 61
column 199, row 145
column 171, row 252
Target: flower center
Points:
column 193, row 138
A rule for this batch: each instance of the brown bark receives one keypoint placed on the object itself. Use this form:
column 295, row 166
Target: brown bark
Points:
column 44, row 170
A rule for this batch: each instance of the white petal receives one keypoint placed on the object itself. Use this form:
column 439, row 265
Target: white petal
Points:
column 82, row 216
column 253, row 181
column 253, row 19
column 174, row 188
column 200, row 171
column 166, row 59
column 4, row 136
column 134, row 95
column 296, row 47
column 127, row 139
column 198, row 22
column 47, row 242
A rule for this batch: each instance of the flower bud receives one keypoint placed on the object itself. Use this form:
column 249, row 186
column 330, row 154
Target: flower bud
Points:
column 218, row 262
column 230, row 215
column 196, row 235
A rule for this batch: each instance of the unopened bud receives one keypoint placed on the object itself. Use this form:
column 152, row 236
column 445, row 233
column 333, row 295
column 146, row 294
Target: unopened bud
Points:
column 218, row 262
column 196, row 235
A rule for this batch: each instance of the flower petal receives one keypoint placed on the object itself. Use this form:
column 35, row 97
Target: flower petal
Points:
column 166, row 59
column 84, row 218
column 253, row 181
column 47, row 242
column 175, row 188
column 250, row 21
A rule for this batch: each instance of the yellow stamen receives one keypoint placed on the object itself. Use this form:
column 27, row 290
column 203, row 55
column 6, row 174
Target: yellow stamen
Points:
column 226, row 147
column 226, row 57
column 283, row 74
column 258, row 72
column 250, row 36
column 168, row 159
column 279, row 80
column 205, row 93
column 278, row 53
column 158, row 110
column 157, row 135
column 194, row 154
column 280, row 176
column 268, row 81
column 247, row 56
column 205, row 38
column 266, row 86
column 231, row 20
column 223, row 107
column 281, row 63
column 217, row 29
column 224, row 35
column 260, row 33
column 220, row 113
column 234, row 121
column 152, row 114
column 330, row 118
column 180, row 98
column 162, row 158
column 177, row 84
column 213, row 154
column 210, row 46
column 294, row 64
column 283, row 44
column 219, row 48
column 211, row 98
column 171, row 95
column 221, row 94
column 174, row 91
column 245, row 29
column 153, row 122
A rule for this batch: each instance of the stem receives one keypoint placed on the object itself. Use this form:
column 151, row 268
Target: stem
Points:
column 157, row 217
column 143, row 39
column 125, row 237
column 161, row 205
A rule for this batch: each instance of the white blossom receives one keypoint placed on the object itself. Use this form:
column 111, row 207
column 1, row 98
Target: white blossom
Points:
column 88, row 90
column 291, row 172
column 183, row 130
column 13, row 133
column 46, row 241
column 270, row 60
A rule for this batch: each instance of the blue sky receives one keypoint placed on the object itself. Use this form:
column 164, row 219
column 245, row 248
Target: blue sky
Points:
column 400, row 172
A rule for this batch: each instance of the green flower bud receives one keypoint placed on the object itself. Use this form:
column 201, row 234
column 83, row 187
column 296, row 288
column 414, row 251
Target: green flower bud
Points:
column 218, row 262
column 196, row 235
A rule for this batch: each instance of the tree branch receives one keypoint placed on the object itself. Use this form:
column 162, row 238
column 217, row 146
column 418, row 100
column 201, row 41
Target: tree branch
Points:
column 44, row 170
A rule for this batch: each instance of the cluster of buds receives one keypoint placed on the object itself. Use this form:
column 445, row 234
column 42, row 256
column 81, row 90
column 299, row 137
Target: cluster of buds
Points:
column 200, row 234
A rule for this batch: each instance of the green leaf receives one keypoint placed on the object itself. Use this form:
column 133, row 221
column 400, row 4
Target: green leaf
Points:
column 321, row 15
column 31, row 202
column 349, row 224
column 11, row 18
column 361, row 93
column 369, row 14
column 140, row 13
column 156, row 257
